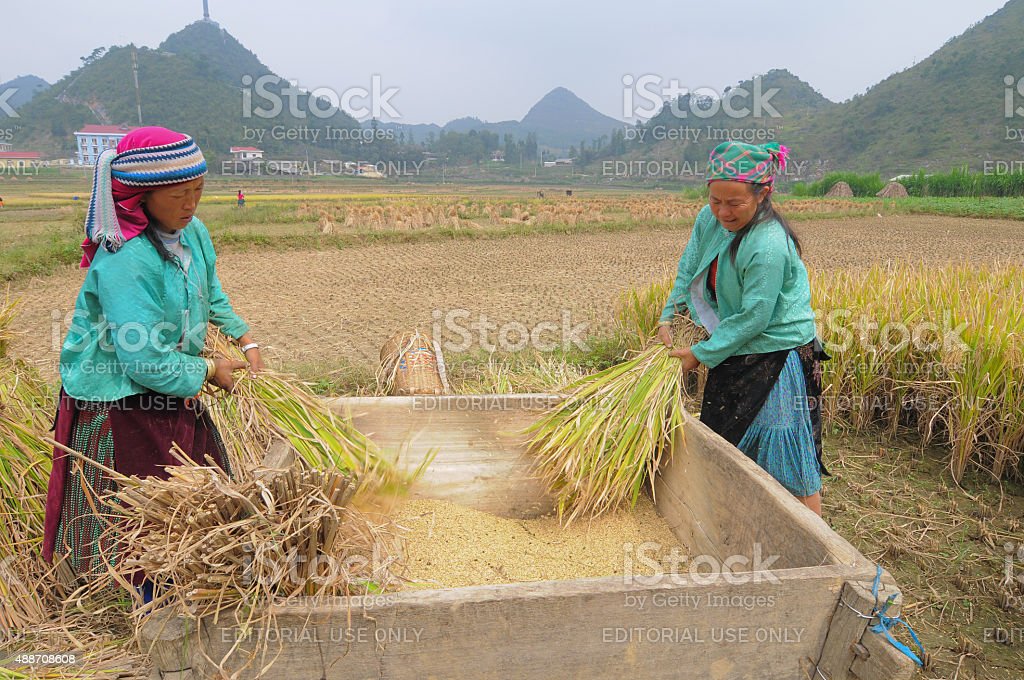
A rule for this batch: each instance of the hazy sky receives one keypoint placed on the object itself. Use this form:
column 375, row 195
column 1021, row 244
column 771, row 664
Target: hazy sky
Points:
column 493, row 60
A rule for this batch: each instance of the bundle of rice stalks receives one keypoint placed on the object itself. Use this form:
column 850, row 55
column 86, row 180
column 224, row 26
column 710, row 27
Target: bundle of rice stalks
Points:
column 214, row 545
column 214, row 542
column 637, row 311
column 269, row 405
column 25, row 408
column 596, row 448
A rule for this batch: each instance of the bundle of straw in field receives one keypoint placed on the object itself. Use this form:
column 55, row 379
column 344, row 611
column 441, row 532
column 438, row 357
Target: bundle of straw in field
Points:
column 213, row 541
column 596, row 448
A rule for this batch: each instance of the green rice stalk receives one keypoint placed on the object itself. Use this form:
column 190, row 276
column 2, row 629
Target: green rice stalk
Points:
column 596, row 449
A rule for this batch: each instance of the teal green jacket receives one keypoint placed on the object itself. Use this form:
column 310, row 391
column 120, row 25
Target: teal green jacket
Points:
column 140, row 321
column 764, row 299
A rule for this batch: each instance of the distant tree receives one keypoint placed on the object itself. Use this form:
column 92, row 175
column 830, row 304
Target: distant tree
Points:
column 95, row 55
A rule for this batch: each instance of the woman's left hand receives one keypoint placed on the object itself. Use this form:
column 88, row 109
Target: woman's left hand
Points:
column 253, row 355
column 685, row 355
column 255, row 360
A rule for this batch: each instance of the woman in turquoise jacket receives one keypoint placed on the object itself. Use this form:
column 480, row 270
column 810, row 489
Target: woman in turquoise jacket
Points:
column 130, row 365
column 741, row 278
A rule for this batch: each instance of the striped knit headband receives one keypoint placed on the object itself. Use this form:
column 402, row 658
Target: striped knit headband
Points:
column 750, row 163
column 121, row 175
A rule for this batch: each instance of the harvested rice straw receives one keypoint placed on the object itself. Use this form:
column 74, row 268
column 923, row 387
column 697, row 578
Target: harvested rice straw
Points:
column 217, row 546
column 270, row 405
column 26, row 405
column 595, row 449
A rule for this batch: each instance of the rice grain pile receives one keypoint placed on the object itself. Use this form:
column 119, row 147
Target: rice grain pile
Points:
column 447, row 545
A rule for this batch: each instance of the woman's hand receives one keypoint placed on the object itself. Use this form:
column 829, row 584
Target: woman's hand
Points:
column 222, row 376
column 665, row 335
column 685, row 354
column 252, row 355
column 255, row 360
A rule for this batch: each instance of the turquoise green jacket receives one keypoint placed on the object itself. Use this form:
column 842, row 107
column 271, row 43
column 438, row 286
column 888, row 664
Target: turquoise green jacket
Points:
column 140, row 322
column 764, row 299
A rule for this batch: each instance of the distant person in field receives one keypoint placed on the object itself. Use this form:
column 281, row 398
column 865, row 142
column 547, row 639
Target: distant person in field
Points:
column 741, row 278
column 130, row 363
column 1, row 201
column 241, row 199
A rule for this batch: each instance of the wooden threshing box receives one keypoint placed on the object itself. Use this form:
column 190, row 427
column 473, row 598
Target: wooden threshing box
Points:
column 770, row 591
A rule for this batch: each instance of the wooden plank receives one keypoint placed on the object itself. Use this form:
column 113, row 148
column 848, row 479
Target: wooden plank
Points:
column 734, row 506
column 593, row 628
column 845, row 630
column 482, row 461
column 168, row 640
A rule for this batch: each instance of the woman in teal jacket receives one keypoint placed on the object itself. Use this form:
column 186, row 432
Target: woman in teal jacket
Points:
column 742, row 278
column 130, row 364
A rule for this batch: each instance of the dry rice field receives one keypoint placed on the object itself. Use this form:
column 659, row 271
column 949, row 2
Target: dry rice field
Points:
column 321, row 306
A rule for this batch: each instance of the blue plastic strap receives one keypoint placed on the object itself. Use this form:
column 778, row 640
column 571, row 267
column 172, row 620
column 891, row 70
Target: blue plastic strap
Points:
column 886, row 623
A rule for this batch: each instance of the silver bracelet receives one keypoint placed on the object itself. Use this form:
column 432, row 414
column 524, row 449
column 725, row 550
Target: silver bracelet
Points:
column 251, row 345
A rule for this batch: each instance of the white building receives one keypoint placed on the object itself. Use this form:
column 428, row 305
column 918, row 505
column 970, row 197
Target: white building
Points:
column 95, row 139
column 246, row 153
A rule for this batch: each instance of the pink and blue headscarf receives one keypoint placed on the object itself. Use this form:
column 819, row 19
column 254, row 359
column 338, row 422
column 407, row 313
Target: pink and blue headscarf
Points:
column 146, row 158
column 749, row 163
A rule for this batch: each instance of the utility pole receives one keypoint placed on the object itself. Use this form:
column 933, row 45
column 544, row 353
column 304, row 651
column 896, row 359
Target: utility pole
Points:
column 206, row 10
column 135, row 74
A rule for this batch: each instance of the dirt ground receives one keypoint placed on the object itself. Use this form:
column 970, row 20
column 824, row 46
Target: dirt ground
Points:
column 314, row 307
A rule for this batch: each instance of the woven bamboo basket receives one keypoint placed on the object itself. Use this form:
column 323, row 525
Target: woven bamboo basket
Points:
column 411, row 363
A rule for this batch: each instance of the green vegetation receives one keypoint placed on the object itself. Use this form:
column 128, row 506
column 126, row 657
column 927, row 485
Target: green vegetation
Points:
column 964, row 183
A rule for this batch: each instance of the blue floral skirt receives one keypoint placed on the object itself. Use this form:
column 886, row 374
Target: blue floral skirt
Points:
column 781, row 438
column 768, row 406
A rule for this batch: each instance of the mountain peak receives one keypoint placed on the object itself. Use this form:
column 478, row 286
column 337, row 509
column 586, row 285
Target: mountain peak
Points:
column 207, row 41
column 566, row 119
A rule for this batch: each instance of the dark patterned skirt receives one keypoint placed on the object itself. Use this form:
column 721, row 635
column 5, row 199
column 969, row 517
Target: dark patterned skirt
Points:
column 738, row 390
column 132, row 436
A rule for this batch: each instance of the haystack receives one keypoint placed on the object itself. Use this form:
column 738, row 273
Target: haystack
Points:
column 325, row 224
column 893, row 190
column 840, row 190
